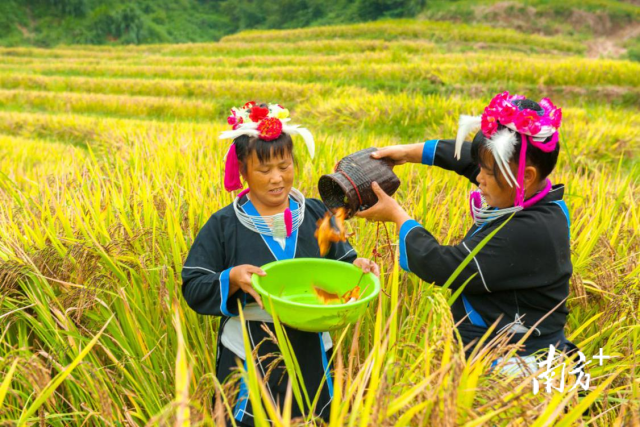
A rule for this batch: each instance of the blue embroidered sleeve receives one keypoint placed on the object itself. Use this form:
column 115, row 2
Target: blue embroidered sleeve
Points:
column 205, row 277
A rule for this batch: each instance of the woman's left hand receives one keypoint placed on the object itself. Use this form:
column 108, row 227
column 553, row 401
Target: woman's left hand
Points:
column 386, row 209
column 367, row 266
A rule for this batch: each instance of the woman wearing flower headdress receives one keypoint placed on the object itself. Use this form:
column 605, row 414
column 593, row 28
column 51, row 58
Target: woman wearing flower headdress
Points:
column 268, row 221
column 522, row 274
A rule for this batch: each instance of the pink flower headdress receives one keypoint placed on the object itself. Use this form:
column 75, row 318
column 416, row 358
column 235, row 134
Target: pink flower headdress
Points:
column 533, row 126
column 266, row 123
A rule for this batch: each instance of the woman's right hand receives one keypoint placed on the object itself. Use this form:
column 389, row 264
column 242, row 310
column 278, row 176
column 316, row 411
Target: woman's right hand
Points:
column 240, row 279
column 400, row 154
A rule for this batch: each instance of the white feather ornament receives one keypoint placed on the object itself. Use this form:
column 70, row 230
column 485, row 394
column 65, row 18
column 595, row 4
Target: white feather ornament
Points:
column 250, row 129
column 304, row 133
column 502, row 145
column 465, row 126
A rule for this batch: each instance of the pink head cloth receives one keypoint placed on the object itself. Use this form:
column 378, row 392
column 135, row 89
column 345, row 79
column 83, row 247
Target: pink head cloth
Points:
column 232, row 171
column 522, row 163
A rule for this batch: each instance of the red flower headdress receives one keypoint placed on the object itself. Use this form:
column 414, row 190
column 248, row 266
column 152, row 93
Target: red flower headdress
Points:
column 533, row 126
column 266, row 123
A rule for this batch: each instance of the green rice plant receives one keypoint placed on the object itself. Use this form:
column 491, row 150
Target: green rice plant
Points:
column 409, row 29
column 391, row 54
column 230, row 49
column 27, row 162
column 291, row 93
column 113, row 105
column 294, row 93
column 217, row 61
column 583, row 72
column 358, row 402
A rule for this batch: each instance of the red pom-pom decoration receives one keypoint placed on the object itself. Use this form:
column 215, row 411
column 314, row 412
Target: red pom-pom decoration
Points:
column 270, row 129
column 258, row 113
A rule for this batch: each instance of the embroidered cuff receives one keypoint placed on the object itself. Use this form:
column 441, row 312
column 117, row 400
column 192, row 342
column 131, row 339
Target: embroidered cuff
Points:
column 407, row 226
column 224, row 293
column 429, row 152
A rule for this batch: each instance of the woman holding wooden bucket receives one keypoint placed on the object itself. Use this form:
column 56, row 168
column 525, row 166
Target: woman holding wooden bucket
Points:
column 521, row 276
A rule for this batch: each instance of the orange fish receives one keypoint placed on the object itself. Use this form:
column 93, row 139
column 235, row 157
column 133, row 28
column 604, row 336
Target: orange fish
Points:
column 326, row 297
column 326, row 234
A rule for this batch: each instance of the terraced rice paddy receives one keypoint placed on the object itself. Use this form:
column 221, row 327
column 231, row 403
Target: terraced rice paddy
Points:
column 110, row 164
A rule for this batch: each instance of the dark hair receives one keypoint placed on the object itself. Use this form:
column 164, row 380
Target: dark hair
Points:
column 265, row 150
column 543, row 162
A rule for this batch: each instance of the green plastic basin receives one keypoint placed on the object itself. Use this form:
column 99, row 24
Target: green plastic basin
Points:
column 289, row 285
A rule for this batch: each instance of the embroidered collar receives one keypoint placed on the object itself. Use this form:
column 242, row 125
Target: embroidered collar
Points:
column 272, row 225
column 483, row 213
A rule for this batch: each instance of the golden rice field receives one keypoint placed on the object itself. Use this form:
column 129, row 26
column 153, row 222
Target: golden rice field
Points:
column 110, row 164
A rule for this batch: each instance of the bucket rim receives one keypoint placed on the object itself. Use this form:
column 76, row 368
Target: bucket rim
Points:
column 255, row 282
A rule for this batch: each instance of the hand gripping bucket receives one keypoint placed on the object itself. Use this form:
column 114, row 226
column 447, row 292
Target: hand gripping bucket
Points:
column 350, row 185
